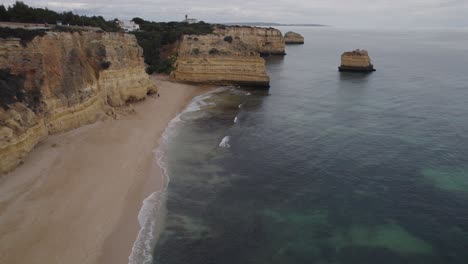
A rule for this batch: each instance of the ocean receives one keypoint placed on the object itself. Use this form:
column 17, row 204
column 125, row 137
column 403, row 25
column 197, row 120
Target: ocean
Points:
column 326, row 167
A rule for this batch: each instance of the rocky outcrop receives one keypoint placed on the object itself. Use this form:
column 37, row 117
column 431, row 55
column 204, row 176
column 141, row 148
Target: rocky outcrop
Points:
column 219, row 59
column 356, row 61
column 266, row 41
column 62, row 81
column 293, row 38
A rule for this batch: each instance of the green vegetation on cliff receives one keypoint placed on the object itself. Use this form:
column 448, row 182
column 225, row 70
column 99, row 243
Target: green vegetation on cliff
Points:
column 23, row 34
column 20, row 12
column 154, row 36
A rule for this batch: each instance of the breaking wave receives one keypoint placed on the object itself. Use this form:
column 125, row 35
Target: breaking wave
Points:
column 153, row 207
column 225, row 142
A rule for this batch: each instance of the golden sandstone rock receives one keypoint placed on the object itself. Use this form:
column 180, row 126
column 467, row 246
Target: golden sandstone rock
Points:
column 219, row 59
column 230, row 56
column 266, row 41
column 356, row 61
column 293, row 38
column 70, row 77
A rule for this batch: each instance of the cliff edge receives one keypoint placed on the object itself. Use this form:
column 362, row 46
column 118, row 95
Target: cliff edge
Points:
column 62, row 81
column 219, row 59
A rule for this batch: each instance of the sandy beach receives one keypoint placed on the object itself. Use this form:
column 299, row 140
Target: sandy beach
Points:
column 77, row 195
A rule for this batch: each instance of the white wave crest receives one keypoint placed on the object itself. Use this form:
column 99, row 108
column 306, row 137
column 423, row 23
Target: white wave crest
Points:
column 142, row 250
column 235, row 119
column 225, row 142
column 152, row 209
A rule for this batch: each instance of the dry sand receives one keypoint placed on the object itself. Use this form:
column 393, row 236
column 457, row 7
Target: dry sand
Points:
column 77, row 195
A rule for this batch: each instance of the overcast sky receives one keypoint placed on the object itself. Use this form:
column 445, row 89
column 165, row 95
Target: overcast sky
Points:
column 341, row 13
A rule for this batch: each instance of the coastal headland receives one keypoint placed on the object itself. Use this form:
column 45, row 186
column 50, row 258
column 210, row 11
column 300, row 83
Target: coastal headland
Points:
column 219, row 59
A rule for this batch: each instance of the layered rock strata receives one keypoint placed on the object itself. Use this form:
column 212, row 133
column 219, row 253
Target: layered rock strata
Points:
column 356, row 61
column 219, row 59
column 266, row 41
column 293, row 38
column 62, row 81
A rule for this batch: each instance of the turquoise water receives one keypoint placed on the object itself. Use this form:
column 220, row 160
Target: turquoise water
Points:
column 328, row 167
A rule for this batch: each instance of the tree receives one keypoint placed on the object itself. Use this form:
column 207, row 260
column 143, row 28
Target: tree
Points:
column 138, row 20
column 4, row 16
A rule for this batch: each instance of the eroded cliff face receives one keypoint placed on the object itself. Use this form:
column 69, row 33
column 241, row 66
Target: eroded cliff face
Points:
column 266, row 41
column 293, row 38
column 357, row 60
column 62, row 81
column 219, row 59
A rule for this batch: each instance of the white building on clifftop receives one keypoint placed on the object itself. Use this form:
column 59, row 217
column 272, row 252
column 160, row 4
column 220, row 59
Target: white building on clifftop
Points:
column 128, row 26
column 190, row 20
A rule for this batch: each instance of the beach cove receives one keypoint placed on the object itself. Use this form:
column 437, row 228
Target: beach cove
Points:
column 89, row 216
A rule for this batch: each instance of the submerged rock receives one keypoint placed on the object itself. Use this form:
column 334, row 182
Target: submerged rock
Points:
column 356, row 61
column 293, row 38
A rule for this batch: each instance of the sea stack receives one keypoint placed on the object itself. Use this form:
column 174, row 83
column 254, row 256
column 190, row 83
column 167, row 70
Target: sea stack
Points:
column 356, row 61
column 293, row 38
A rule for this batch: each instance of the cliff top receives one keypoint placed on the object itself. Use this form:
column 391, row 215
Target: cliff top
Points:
column 243, row 26
column 214, row 45
column 356, row 52
column 292, row 34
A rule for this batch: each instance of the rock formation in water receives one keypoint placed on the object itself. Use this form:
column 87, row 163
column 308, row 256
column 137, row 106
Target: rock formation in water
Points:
column 219, row 59
column 293, row 38
column 356, row 61
column 266, row 41
column 62, row 81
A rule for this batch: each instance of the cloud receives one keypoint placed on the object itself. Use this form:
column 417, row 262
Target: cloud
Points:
column 375, row 13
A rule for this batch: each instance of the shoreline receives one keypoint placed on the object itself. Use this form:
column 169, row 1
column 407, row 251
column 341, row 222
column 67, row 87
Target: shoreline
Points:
column 77, row 196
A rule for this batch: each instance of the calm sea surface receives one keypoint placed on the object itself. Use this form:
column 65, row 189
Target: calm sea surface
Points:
column 328, row 167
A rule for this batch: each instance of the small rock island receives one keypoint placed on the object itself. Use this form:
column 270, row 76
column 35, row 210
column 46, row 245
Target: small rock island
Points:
column 356, row 61
column 293, row 38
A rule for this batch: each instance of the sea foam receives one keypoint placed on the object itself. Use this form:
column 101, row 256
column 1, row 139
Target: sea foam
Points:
column 225, row 142
column 152, row 208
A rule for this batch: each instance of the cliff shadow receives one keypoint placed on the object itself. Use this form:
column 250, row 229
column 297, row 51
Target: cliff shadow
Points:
column 274, row 60
column 354, row 76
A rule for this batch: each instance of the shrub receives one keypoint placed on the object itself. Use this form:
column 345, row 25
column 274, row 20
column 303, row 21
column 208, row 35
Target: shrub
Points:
column 195, row 51
column 105, row 65
column 24, row 35
column 228, row 39
column 214, row 51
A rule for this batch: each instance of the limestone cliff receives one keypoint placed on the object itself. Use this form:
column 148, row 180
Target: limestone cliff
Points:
column 61, row 81
column 293, row 38
column 356, row 61
column 266, row 41
column 219, row 59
